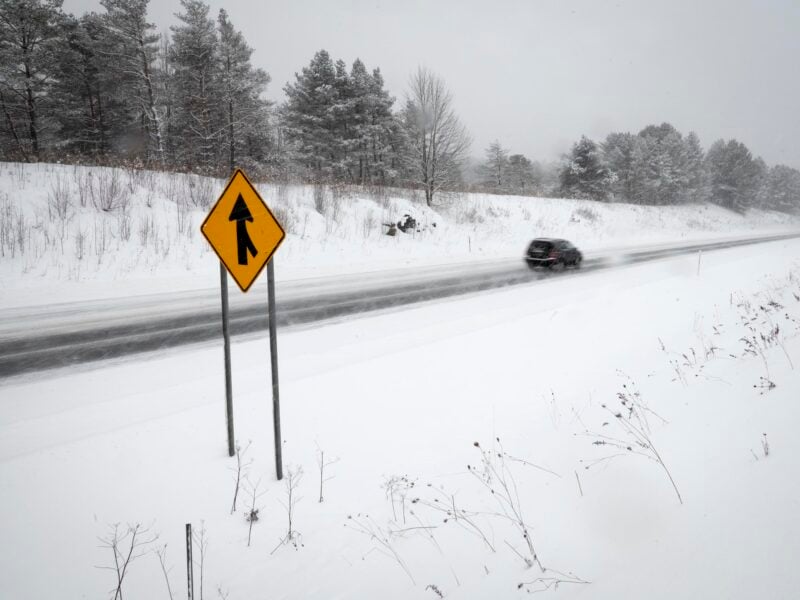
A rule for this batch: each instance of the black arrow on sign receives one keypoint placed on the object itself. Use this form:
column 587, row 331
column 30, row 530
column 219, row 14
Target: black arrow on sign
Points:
column 241, row 214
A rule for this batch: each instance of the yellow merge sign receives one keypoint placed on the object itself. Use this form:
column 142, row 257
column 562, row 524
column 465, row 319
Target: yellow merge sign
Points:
column 242, row 230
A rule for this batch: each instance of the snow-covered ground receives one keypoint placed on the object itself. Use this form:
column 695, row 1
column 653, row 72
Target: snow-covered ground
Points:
column 58, row 244
column 674, row 364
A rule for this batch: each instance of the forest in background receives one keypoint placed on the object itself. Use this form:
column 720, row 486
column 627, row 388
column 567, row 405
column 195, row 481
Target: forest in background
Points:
column 107, row 88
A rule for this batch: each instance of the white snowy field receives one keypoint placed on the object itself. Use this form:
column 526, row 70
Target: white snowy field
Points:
column 398, row 400
column 70, row 233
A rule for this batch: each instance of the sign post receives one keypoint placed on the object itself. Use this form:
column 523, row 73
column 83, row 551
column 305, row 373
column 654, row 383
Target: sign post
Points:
column 226, row 340
column 245, row 234
column 273, row 352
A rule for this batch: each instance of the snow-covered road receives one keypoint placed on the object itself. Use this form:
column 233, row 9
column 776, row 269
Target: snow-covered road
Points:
column 399, row 399
column 48, row 336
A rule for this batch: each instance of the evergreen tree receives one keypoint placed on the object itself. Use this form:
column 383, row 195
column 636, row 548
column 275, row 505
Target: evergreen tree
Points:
column 660, row 172
column 30, row 34
column 734, row 176
column 696, row 177
column 782, row 189
column 618, row 154
column 196, row 80
column 91, row 113
column 246, row 113
column 583, row 173
column 308, row 122
column 132, row 53
column 523, row 176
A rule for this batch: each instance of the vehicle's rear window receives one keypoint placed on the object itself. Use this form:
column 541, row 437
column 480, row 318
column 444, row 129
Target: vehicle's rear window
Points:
column 541, row 245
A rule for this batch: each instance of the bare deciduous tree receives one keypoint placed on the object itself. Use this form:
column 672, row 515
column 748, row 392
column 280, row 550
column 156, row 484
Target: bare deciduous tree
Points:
column 438, row 142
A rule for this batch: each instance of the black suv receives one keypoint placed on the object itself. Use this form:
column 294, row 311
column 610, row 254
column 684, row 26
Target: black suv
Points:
column 552, row 254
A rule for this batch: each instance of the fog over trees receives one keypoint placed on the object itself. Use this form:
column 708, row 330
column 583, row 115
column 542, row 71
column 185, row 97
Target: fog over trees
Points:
column 107, row 88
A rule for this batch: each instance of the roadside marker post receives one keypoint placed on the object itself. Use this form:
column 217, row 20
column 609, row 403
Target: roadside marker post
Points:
column 189, row 564
column 245, row 234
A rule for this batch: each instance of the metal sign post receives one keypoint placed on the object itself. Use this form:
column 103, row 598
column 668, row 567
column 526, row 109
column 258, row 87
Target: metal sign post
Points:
column 273, row 353
column 226, row 338
column 245, row 234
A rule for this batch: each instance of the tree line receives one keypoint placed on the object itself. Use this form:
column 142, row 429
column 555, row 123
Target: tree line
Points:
column 107, row 88
column 659, row 165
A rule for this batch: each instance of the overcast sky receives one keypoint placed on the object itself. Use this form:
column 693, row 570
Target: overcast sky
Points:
column 536, row 74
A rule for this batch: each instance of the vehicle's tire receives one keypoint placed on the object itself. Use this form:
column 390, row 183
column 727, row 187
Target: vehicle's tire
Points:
column 578, row 262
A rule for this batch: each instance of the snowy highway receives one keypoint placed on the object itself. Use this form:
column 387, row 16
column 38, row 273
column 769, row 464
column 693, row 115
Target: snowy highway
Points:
column 56, row 335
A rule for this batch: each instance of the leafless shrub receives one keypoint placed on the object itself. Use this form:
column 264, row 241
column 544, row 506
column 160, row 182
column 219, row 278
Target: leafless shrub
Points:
column 59, row 200
column 148, row 184
column 7, row 240
column 252, row 514
column 282, row 193
column 367, row 526
column 201, row 540
column 199, row 190
column 321, row 200
column 80, row 244
column 583, row 213
column 161, row 552
column 126, row 548
column 369, row 223
column 242, row 468
column 146, row 230
column 631, row 416
column 107, row 191
column 21, row 230
column 469, row 214
column 124, row 225
column 542, row 584
column 285, row 216
column 83, row 182
column 446, row 504
column 397, row 488
column 183, row 217
column 100, row 240
column 322, row 464
column 498, row 479
column 291, row 481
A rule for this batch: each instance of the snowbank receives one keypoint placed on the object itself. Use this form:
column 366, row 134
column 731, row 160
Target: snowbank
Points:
column 72, row 233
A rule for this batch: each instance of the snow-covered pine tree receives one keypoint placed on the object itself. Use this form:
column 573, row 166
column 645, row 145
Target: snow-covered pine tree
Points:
column 522, row 175
column 618, row 154
column 660, row 173
column 583, row 173
column 245, row 111
column 197, row 87
column 307, row 122
column 131, row 57
column 30, row 33
column 91, row 112
column 696, row 178
column 734, row 175
column 782, row 189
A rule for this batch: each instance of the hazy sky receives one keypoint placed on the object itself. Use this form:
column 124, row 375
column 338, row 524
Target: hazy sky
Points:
column 536, row 74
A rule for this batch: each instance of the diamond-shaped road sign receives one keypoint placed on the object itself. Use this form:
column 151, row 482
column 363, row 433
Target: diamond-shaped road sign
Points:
column 242, row 230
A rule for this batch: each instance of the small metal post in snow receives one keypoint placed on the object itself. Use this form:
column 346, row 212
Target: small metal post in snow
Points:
column 699, row 256
column 189, row 570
